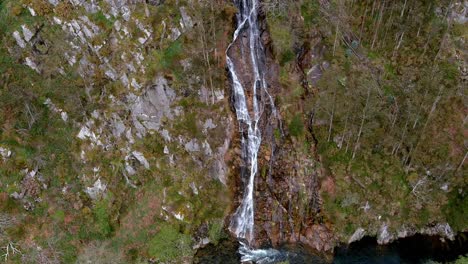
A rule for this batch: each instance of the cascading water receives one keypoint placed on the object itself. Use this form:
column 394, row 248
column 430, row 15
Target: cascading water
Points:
column 242, row 222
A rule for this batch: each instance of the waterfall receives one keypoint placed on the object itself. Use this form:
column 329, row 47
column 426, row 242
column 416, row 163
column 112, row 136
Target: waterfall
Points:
column 242, row 221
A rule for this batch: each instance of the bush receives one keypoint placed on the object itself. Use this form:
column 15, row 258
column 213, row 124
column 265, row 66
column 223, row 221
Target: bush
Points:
column 296, row 127
column 456, row 211
column 215, row 231
column 169, row 244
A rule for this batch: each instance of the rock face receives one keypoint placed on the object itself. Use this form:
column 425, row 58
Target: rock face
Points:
column 318, row 183
column 287, row 184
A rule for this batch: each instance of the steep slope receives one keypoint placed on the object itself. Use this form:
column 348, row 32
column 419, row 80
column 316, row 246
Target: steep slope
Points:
column 115, row 126
column 119, row 141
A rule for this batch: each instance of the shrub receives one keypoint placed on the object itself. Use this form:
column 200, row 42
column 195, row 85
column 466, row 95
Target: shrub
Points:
column 215, row 231
column 456, row 211
column 169, row 244
column 296, row 127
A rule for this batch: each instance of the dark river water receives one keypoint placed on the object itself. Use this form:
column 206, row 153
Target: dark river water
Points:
column 415, row 249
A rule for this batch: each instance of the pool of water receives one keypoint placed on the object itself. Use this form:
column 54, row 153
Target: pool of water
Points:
column 415, row 249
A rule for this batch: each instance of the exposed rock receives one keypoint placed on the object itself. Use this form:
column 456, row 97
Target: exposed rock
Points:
column 27, row 33
column 31, row 11
column 118, row 127
column 357, row 235
column 384, row 236
column 96, row 190
column 5, row 152
column 32, row 64
column 207, row 148
column 53, row 2
column 155, row 2
column 203, row 242
column 459, row 12
column 141, row 158
column 86, row 133
column 19, row 39
column 208, row 125
column 175, row 33
column 149, row 109
column 192, row 146
column 318, row 237
column 186, row 19
column 55, row 109
column 443, row 230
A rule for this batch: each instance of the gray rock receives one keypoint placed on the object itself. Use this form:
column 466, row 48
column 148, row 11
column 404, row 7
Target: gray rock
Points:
column 118, row 127
column 32, row 64
column 27, row 33
column 139, row 156
column 152, row 106
column 5, row 152
column 459, row 12
column 357, row 235
column 19, row 39
column 186, row 19
column 155, row 2
column 54, row 2
column 208, row 125
column 439, row 229
column 384, row 236
column 192, row 146
column 96, row 190
column 175, row 34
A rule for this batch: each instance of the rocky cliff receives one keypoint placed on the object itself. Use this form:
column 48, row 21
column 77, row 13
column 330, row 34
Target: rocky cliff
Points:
column 119, row 141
